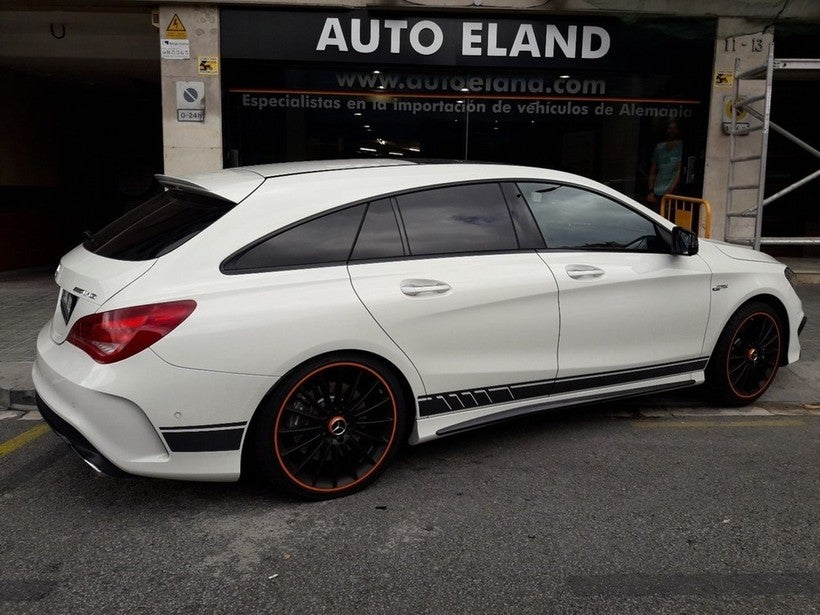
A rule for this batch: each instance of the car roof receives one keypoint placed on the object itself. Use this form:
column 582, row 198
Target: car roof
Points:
column 314, row 166
column 346, row 180
column 290, row 192
column 236, row 184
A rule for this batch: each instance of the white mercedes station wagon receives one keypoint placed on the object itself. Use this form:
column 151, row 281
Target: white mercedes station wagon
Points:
column 306, row 319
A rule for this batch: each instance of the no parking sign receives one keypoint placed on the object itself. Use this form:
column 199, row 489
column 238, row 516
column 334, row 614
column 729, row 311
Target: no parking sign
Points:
column 190, row 101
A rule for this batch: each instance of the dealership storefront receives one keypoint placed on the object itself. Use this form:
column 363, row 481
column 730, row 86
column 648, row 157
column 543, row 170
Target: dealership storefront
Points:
column 591, row 95
column 101, row 98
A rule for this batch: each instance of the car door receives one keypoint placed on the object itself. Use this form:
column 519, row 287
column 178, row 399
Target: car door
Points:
column 630, row 310
column 444, row 274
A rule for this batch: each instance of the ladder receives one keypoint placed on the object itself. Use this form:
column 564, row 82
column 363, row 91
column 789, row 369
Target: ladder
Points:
column 742, row 106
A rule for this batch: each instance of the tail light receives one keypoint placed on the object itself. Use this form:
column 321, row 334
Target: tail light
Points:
column 118, row 334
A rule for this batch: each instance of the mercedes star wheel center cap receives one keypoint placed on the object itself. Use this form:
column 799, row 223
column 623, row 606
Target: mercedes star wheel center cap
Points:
column 337, row 426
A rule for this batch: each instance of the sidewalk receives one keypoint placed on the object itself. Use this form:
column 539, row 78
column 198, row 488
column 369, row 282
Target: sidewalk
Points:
column 28, row 300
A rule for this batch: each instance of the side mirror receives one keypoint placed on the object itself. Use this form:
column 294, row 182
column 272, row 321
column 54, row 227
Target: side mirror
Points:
column 684, row 242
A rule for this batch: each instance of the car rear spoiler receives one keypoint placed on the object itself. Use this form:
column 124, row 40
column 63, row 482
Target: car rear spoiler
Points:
column 182, row 184
column 233, row 185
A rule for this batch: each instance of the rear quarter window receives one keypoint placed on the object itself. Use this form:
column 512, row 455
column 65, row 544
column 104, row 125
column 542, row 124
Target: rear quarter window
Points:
column 325, row 240
column 158, row 226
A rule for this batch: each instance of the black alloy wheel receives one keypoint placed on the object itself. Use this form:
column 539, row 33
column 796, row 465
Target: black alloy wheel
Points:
column 747, row 355
column 331, row 427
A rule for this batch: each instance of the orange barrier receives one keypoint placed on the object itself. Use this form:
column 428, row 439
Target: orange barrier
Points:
column 686, row 212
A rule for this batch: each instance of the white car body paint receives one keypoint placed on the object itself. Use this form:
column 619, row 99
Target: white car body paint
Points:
column 511, row 333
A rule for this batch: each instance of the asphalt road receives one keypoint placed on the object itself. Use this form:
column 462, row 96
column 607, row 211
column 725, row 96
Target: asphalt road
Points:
column 572, row 513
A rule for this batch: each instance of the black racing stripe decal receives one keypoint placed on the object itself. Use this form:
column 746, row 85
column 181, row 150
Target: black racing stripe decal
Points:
column 440, row 403
column 214, row 426
column 532, row 389
column 204, row 441
column 566, row 385
column 553, row 405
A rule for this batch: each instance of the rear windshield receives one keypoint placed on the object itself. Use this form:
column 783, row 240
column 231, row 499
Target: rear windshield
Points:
column 157, row 226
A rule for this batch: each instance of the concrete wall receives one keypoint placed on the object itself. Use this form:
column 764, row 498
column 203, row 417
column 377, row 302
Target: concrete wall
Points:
column 737, row 38
column 190, row 147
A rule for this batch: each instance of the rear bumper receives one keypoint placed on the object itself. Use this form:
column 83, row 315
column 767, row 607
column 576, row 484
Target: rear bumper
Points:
column 78, row 442
column 144, row 417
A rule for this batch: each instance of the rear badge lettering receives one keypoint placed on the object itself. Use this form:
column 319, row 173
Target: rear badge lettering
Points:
column 85, row 293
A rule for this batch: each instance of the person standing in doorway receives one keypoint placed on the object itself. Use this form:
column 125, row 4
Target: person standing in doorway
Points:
column 664, row 173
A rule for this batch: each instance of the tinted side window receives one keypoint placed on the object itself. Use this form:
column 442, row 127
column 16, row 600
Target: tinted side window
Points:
column 323, row 240
column 157, row 226
column 379, row 237
column 471, row 218
column 577, row 219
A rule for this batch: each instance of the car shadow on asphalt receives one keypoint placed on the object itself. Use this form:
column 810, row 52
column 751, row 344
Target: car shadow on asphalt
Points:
column 469, row 447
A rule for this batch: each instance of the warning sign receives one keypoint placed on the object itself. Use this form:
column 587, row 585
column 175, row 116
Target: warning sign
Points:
column 724, row 78
column 175, row 29
column 208, row 65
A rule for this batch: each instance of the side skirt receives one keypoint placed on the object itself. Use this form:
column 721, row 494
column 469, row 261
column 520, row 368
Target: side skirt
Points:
column 442, row 403
column 556, row 405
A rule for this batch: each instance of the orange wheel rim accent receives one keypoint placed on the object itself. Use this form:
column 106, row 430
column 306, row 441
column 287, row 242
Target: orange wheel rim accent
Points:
column 757, row 351
column 334, row 425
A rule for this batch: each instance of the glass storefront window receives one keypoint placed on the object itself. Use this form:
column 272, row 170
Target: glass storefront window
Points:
column 601, row 118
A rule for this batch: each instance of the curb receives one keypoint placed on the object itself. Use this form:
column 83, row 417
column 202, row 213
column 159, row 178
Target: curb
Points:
column 793, row 409
column 16, row 399
column 16, row 387
column 24, row 399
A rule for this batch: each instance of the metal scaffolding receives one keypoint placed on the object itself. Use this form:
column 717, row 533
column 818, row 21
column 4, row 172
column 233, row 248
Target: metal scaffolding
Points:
column 741, row 106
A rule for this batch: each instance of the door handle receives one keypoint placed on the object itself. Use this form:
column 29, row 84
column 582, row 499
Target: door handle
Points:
column 413, row 288
column 580, row 272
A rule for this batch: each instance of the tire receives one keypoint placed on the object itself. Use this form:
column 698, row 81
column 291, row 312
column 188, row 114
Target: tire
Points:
column 747, row 355
column 330, row 427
